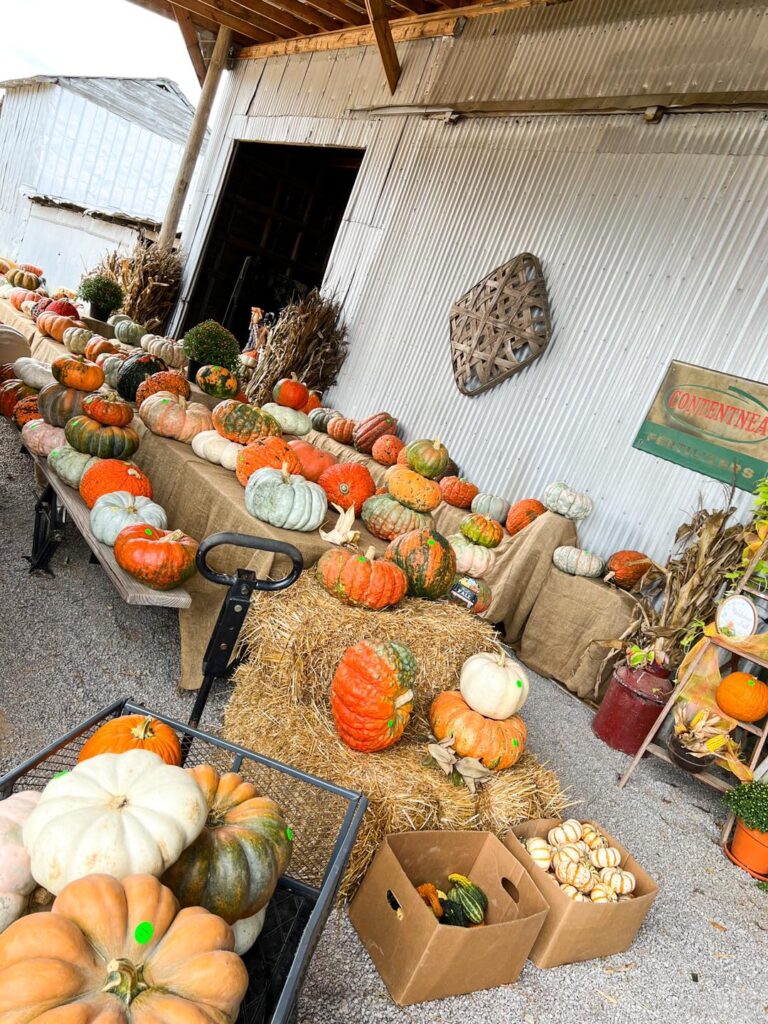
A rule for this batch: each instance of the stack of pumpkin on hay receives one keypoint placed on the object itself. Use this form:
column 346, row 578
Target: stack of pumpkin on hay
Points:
column 165, row 868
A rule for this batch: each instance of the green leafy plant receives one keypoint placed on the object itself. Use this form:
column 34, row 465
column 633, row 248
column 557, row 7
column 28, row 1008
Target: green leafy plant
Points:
column 101, row 291
column 209, row 342
column 749, row 802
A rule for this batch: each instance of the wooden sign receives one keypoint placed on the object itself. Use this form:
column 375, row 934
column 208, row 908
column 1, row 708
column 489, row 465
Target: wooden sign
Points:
column 711, row 422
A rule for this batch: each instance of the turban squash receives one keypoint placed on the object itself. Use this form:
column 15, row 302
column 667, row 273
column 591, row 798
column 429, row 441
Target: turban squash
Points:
column 87, row 960
column 371, row 695
column 361, row 580
column 496, row 744
column 233, row 866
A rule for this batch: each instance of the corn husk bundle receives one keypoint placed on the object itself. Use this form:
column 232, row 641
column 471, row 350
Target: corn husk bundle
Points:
column 150, row 278
column 308, row 339
column 281, row 708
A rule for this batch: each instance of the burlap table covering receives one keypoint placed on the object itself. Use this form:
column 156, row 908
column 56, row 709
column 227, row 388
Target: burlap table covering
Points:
column 201, row 498
column 569, row 612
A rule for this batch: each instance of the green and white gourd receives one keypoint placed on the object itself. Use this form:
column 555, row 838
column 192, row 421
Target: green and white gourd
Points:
column 113, row 512
column 471, row 559
column 211, row 446
column 286, row 501
column 34, row 373
column 129, row 333
column 170, row 351
column 567, row 502
column 69, row 464
column 117, row 318
column 291, row 420
column 491, row 506
column 111, row 367
column 578, row 562
column 76, row 338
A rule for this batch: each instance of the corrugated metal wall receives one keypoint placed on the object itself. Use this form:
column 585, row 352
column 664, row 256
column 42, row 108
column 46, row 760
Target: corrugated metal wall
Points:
column 24, row 130
column 654, row 238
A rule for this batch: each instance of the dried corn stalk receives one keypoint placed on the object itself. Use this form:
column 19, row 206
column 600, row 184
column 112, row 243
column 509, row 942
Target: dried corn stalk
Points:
column 308, row 339
column 150, row 278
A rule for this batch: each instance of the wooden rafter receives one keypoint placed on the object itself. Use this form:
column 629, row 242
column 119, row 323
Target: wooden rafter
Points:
column 414, row 6
column 276, row 14
column 191, row 41
column 250, row 27
column 301, row 11
column 377, row 12
column 338, row 9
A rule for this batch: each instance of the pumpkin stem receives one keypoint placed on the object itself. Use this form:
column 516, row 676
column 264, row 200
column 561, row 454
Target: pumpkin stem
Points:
column 143, row 731
column 370, row 554
column 502, row 657
column 174, row 535
column 404, row 698
column 286, row 473
column 436, row 444
column 125, row 980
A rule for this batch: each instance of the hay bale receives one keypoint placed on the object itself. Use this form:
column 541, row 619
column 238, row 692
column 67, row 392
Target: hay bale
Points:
column 280, row 707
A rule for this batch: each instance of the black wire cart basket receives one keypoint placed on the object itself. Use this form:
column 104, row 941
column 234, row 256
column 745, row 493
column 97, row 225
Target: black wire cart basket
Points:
column 324, row 820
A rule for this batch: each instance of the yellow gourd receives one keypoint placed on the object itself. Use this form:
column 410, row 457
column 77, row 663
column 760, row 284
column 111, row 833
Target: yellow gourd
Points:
column 606, row 857
column 622, row 882
column 567, row 832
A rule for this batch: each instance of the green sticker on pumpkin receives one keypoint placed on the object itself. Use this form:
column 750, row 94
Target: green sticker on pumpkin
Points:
column 289, row 834
column 515, row 743
column 519, row 683
column 430, row 543
column 144, row 932
column 391, row 723
column 751, row 682
column 148, row 531
column 59, row 774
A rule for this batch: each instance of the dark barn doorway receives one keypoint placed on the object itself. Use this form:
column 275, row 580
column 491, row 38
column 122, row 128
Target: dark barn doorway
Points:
column 273, row 230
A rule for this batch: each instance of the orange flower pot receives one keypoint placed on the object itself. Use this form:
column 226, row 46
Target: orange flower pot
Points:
column 750, row 849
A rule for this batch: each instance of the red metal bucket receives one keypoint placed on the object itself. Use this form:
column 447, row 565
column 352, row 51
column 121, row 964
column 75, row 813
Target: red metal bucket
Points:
column 631, row 705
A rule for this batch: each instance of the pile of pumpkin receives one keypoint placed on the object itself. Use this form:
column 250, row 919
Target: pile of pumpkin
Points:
column 86, row 436
column 160, row 886
column 583, row 863
column 372, row 702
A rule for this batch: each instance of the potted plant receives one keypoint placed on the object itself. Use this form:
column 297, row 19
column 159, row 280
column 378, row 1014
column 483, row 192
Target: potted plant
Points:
column 103, row 294
column 749, row 803
column 210, row 344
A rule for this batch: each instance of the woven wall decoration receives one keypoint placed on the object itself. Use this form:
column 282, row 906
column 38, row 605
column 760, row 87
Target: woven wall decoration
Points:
column 500, row 325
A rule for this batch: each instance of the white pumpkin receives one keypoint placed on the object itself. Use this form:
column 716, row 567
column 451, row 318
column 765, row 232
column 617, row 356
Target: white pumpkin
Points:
column 291, row 420
column 494, row 685
column 34, row 373
column 569, row 831
column 577, row 562
column 472, row 559
column 16, row 881
column 491, row 506
column 284, row 500
column 573, row 893
column 212, row 447
column 247, row 930
column 41, row 438
column 228, row 456
column 540, row 852
column 76, row 338
column 621, row 881
column 170, row 351
column 116, row 318
column 114, row 814
column 113, row 512
column 601, row 893
column 567, row 502
column 605, row 857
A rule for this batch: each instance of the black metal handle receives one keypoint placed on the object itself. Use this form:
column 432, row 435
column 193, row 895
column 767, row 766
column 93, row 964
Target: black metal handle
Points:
column 243, row 540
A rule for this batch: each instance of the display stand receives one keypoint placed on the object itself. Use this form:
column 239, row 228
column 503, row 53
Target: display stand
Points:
column 759, row 730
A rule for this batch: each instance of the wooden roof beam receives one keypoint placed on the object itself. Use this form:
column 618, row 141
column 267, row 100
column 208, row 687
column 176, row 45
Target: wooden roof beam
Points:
column 377, row 12
column 338, row 9
column 304, row 12
column 292, row 15
column 254, row 27
column 414, row 6
column 191, row 41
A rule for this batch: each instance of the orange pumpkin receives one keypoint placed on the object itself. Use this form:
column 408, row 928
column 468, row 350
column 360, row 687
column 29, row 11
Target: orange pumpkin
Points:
column 742, row 697
column 53, row 325
column 265, row 451
column 77, row 372
column 165, row 380
column 133, row 732
column 96, row 346
column 627, row 568
column 481, row 530
column 313, row 402
column 109, row 475
column 412, row 489
column 402, row 457
column 386, row 449
column 161, row 559
column 371, row 695
column 290, row 392
column 107, row 408
column 457, row 491
column 496, row 744
column 361, row 580
column 19, row 295
column 342, row 430
column 120, row 952
column 522, row 514
column 25, row 410
column 347, row 484
column 314, row 461
column 11, row 392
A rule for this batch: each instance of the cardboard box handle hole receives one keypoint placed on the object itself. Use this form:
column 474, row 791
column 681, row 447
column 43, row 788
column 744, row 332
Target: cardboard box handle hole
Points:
column 511, row 890
column 394, row 904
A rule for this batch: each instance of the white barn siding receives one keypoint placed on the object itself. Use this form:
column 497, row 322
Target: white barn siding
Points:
column 653, row 238
column 24, row 135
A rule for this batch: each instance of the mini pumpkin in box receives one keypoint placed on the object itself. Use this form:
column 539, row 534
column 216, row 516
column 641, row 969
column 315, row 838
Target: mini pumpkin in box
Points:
column 362, row 581
column 371, row 695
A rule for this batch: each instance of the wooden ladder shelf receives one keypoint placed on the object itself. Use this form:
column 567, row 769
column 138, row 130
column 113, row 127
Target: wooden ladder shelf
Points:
column 649, row 745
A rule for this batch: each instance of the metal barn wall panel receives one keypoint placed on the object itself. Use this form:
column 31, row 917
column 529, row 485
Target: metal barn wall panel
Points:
column 24, row 122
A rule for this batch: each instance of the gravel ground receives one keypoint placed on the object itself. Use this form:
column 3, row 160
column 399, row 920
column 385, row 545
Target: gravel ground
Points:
column 68, row 646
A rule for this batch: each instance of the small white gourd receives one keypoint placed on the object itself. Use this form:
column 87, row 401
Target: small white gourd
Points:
column 577, row 874
column 540, row 852
column 603, row 894
column 622, row 882
column 592, row 837
column 605, row 857
column 573, row 894
column 566, row 832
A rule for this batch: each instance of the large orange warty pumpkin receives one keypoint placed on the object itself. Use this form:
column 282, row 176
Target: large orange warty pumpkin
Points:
column 371, row 695
column 496, row 744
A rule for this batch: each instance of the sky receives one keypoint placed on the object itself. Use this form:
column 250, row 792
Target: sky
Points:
column 94, row 37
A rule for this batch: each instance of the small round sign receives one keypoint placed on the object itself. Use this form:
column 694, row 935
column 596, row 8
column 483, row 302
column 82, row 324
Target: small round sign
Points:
column 736, row 617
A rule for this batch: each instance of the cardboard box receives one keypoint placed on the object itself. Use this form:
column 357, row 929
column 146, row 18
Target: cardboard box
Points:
column 419, row 958
column 581, row 931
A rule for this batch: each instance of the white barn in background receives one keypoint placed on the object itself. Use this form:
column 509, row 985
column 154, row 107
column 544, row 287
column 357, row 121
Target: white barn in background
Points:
column 86, row 165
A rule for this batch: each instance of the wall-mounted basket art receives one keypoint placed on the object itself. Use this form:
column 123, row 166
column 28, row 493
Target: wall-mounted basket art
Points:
column 500, row 325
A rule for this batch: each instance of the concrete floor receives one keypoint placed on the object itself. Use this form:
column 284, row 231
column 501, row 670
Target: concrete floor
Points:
column 68, row 646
